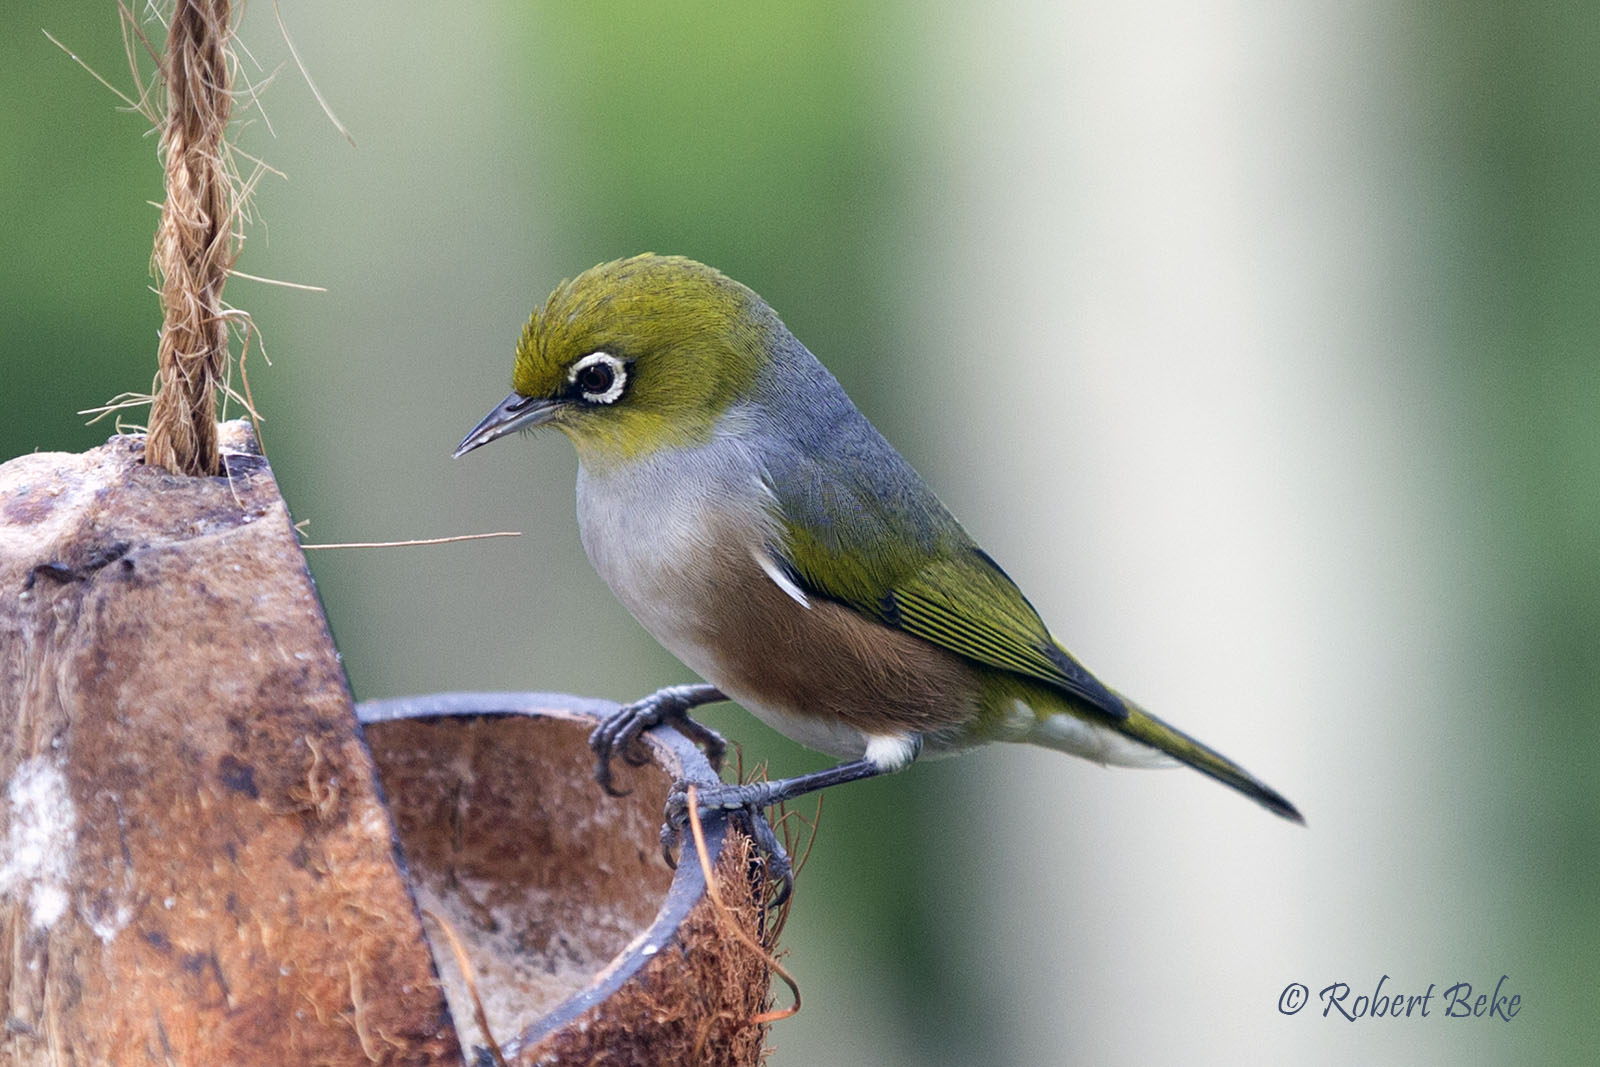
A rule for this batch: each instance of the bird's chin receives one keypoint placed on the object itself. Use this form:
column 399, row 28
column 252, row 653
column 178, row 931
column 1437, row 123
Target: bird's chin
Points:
column 597, row 454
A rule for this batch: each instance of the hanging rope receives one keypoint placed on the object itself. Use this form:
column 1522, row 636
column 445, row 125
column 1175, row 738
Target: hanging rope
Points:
column 195, row 243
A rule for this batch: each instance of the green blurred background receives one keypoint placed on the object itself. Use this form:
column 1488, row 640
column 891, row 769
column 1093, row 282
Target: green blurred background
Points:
column 1261, row 343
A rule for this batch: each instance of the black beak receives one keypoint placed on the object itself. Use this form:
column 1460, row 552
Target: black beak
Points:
column 515, row 412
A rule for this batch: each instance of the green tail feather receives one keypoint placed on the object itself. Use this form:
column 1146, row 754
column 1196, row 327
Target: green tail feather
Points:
column 1147, row 729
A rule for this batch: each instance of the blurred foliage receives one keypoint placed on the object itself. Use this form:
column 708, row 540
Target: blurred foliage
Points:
column 1512, row 101
column 77, row 314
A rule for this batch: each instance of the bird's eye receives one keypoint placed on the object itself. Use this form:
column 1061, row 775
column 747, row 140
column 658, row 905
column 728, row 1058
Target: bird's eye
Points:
column 599, row 377
column 595, row 378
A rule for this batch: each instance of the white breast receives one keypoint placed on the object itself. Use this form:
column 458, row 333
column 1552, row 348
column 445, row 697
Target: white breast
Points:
column 654, row 528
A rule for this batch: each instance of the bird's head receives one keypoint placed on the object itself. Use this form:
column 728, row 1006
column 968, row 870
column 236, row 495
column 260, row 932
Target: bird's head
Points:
column 633, row 356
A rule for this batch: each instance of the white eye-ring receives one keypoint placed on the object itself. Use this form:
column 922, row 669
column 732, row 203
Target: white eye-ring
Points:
column 600, row 377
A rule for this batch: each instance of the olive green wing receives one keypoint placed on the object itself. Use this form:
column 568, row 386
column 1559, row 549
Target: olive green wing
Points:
column 954, row 596
column 858, row 526
column 967, row 604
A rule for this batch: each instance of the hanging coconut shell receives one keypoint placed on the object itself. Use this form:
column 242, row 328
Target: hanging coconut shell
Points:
column 197, row 864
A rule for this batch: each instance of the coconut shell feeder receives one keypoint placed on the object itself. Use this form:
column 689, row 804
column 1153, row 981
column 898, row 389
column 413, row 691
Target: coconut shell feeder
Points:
column 208, row 857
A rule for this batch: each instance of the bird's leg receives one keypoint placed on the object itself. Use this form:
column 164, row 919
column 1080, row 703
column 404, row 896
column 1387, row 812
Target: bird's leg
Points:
column 617, row 733
column 754, row 798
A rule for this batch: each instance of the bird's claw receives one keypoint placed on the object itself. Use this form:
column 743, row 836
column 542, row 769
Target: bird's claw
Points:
column 728, row 800
column 618, row 733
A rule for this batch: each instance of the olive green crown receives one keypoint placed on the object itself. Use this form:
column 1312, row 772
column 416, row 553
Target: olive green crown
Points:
column 693, row 341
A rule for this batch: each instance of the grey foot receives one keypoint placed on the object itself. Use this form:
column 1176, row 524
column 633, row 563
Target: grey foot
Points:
column 618, row 732
column 727, row 800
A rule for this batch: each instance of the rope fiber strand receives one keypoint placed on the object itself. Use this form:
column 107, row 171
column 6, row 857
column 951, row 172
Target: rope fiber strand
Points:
column 196, row 242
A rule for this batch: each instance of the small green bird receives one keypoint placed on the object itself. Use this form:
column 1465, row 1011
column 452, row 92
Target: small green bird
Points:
column 754, row 522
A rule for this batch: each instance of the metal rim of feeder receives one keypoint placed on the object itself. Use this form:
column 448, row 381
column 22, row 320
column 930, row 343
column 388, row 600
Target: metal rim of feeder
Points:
column 680, row 758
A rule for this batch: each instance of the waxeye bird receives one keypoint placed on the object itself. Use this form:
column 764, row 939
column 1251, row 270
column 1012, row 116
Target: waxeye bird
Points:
column 757, row 525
